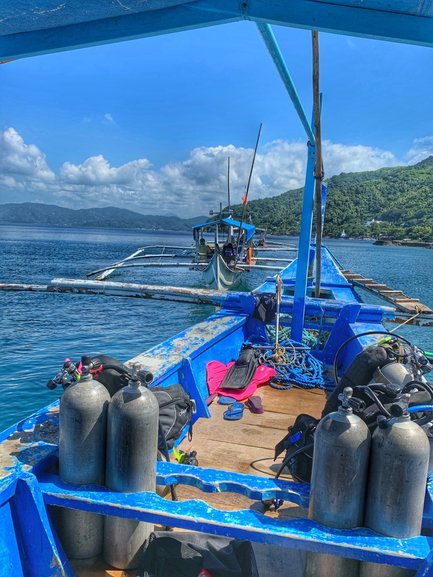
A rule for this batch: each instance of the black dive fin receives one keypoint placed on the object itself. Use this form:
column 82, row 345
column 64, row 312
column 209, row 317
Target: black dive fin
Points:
column 240, row 375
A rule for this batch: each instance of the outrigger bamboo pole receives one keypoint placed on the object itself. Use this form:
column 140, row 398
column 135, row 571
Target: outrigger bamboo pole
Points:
column 189, row 295
column 121, row 289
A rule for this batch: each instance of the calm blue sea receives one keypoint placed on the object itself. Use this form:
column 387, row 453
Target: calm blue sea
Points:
column 39, row 330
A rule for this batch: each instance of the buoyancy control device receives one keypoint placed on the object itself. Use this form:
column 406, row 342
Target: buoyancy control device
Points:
column 398, row 369
column 392, row 361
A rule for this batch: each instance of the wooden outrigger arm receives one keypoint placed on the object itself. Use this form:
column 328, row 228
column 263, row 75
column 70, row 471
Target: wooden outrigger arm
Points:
column 190, row 295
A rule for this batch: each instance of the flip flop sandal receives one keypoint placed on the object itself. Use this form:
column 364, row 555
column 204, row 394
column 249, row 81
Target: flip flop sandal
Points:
column 224, row 400
column 235, row 412
column 255, row 405
column 210, row 399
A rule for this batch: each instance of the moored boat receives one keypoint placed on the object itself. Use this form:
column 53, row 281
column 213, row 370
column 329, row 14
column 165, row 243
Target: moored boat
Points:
column 223, row 260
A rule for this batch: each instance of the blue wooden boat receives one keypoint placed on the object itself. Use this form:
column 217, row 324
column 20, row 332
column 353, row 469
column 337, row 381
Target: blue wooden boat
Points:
column 29, row 484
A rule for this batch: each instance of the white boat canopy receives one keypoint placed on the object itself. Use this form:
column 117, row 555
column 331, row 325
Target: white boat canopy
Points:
column 31, row 27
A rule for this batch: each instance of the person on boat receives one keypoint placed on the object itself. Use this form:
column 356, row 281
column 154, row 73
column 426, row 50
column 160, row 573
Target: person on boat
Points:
column 204, row 250
column 228, row 251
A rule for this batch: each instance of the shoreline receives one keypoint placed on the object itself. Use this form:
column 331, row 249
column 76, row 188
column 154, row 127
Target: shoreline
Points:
column 413, row 243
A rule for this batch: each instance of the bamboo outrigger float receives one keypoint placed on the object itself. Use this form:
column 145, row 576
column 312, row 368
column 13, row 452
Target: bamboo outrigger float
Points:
column 323, row 301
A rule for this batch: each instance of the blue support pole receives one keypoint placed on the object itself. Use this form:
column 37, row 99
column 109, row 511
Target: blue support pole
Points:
column 304, row 248
column 274, row 50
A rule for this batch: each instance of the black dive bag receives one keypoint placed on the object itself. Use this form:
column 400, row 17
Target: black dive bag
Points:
column 176, row 409
column 298, row 445
column 188, row 554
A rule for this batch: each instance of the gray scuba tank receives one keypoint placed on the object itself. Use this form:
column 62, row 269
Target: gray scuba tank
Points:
column 132, row 441
column 397, row 482
column 83, row 419
column 428, row 430
column 338, row 483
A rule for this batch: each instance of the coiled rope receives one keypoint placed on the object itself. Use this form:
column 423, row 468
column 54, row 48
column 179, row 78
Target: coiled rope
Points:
column 294, row 365
column 309, row 338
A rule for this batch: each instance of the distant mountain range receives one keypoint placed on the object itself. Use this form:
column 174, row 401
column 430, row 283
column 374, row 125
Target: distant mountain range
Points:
column 33, row 213
column 396, row 202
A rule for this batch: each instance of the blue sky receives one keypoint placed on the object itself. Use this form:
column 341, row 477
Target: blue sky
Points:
column 148, row 124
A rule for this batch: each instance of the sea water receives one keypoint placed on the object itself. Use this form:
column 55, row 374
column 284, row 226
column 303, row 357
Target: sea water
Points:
column 38, row 330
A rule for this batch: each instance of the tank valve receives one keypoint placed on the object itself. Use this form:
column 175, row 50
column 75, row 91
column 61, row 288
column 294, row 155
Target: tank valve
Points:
column 65, row 376
column 145, row 376
column 382, row 422
column 345, row 397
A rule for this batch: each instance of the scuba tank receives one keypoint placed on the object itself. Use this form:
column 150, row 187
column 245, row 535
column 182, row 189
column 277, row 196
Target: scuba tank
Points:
column 397, row 482
column 83, row 419
column 132, row 441
column 338, row 483
column 428, row 430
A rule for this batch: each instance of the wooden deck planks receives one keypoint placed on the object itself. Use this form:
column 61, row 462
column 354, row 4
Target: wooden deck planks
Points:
column 233, row 445
column 248, row 444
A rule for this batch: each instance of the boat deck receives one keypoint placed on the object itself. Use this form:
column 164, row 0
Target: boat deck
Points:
column 243, row 446
column 247, row 446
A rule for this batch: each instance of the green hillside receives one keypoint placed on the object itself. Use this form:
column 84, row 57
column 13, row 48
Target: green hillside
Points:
column 399, row 200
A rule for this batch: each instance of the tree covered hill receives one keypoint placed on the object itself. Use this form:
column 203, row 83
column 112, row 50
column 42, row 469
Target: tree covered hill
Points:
column 396, row 202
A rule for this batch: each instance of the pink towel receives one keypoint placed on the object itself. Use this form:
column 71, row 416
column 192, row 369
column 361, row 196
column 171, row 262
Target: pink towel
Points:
column 216, row 371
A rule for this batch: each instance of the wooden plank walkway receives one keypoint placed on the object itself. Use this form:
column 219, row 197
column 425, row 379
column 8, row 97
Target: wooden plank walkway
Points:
column 397, row 298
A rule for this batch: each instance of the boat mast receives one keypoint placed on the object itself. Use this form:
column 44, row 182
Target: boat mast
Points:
column 228, row 186
column 245, row 197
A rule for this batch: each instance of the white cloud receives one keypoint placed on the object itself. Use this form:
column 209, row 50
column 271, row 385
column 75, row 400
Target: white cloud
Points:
column 24, row 163
column 188, row 187
column 345, row 158
column 421, row 148
column 108, row 118
column 96, row 170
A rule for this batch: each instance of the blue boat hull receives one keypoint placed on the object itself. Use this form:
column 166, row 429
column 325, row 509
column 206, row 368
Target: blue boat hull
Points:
column 28, row 451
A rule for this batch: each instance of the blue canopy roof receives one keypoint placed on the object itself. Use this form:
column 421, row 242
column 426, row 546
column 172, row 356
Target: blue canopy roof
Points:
column 249, row 229
column 30, row 27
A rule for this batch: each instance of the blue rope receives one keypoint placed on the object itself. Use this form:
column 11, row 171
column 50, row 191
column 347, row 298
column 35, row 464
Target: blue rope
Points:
column 295, row 368
column 308, row 337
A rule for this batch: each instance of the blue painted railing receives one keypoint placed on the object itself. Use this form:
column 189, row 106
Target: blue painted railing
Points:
column 303, row 534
